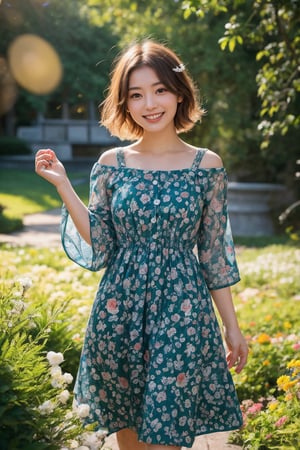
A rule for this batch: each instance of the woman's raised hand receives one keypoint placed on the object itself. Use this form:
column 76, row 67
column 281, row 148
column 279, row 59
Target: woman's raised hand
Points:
column 48, row 166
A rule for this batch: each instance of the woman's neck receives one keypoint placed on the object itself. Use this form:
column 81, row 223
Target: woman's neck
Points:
column 159, row 143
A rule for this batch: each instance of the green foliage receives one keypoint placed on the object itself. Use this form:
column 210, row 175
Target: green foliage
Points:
column 9, row 224
column 273, row 422
column 267, row 302
column 32, row 413
column 271, row 28
column 85, row 50
column 10, row 145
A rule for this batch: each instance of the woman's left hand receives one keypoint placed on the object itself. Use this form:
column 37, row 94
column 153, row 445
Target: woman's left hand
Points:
column 237, row 347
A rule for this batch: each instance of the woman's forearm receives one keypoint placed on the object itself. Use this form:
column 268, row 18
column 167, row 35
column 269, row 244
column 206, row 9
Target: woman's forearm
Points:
column 236, row 344
column 223, row 301
column 76, row 208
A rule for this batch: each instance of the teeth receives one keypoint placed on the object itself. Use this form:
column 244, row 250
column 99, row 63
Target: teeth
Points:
column 154, row 116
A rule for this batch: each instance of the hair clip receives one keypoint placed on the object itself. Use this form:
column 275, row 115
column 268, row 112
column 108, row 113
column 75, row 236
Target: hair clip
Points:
column 179, row 68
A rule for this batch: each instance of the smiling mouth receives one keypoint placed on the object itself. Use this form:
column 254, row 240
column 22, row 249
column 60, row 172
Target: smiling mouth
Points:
column 154, row 116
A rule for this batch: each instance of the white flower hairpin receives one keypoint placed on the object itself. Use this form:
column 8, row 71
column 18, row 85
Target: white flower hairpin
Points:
column 179, row 68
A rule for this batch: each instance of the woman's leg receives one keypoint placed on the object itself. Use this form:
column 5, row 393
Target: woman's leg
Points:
column 127, row 440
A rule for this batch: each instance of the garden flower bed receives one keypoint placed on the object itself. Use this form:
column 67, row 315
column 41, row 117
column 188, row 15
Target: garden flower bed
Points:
column 45, row 304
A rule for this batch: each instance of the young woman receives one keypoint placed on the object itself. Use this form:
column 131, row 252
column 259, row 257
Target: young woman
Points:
column 153, row 366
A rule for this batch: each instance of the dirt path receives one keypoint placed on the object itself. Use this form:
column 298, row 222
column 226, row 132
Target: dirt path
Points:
column 40, row 230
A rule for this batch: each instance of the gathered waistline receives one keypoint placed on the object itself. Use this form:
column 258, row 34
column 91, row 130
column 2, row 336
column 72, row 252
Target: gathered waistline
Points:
column 152, row 245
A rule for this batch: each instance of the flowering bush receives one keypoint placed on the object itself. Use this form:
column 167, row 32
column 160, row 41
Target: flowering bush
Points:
column 269, row 310
column 274, row 421
column 36, row 410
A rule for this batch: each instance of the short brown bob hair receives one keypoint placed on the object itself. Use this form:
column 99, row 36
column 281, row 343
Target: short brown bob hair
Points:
column 114, row 114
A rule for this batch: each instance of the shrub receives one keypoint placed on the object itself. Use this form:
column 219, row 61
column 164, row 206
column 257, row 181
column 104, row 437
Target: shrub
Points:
column 35, row 411
column 273, row 421
column 11, row 145
column 9, row 224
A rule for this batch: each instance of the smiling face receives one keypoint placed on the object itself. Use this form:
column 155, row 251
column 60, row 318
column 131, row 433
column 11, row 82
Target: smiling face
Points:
column 151, row 105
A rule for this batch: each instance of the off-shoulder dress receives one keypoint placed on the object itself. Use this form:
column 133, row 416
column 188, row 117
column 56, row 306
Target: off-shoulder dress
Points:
column 153, row 359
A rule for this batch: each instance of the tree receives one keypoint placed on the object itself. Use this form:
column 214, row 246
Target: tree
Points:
column 271, row 27
column 85, row 50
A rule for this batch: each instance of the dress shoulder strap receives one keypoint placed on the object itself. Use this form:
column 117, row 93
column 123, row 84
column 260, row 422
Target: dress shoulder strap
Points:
column 198, row 158
column 121, row 157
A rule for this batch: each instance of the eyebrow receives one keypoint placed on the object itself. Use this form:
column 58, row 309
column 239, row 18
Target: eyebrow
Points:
column 132, row 88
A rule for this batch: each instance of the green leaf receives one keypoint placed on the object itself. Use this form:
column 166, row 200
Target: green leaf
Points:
column 223, row 42
column 231, row 44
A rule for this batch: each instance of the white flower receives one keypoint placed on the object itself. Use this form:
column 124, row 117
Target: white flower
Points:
column 64, row 396
column 56, row 372
column 69, row 415
column 74, row 444
column 83, row 447
column 55, row 358
column 83, row 410
column 47, row 407
column 18, row 305
column 93, row 440
column 57, row 383
column 26, row 283
column 67, row 377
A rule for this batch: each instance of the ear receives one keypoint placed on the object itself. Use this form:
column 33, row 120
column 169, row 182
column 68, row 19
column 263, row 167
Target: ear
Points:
column 179, row 99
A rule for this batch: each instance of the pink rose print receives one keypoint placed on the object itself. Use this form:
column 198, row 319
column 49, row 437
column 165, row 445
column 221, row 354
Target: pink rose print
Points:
column 181, row 380
column 112, row 306
column 145, row 198
column 123, row 382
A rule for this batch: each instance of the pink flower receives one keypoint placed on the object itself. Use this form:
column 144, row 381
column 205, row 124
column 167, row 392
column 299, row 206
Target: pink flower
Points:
column 123, row 382
column 281, row 421
column 184, row 194
column 137, row 347
column 181, row 380
column 216, row 205
column 145, row 198
column 112, row 306
column 255, row 408
column 296, row 347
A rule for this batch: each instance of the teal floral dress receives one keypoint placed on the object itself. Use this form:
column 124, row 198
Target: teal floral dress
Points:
column 153, row 358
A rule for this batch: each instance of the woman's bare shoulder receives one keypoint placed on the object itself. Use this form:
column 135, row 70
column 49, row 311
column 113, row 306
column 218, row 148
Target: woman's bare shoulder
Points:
column 109, row 157
column 211, row 160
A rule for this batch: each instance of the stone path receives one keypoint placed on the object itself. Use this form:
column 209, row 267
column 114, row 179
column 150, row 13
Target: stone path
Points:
column 42, row 230
column 216, row 441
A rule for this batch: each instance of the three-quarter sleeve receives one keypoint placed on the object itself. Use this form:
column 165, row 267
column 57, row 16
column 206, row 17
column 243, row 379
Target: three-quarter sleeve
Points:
column 103, row 240
column 215, row 244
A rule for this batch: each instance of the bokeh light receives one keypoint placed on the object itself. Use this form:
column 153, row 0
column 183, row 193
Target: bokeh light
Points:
column 34, row 64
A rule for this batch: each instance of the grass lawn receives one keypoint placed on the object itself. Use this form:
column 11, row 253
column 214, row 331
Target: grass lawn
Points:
column 23, row 192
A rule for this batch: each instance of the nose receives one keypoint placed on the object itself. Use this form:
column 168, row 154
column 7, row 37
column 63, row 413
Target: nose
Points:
column 150, row 101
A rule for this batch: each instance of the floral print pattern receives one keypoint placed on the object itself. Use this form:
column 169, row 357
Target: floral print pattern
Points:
column 153, row 358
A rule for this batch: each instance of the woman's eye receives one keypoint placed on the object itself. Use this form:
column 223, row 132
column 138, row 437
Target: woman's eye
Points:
column 161, row 90
column 135, row 95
